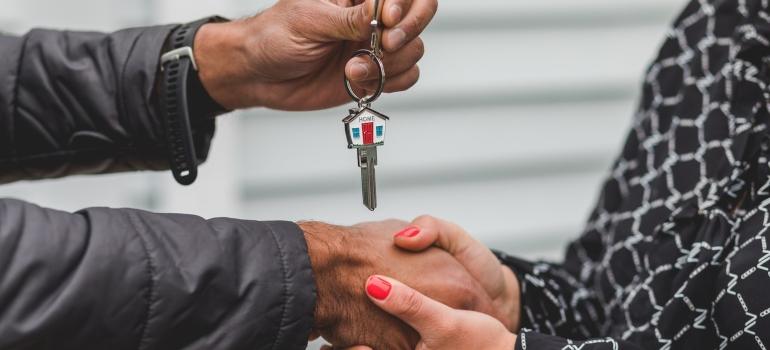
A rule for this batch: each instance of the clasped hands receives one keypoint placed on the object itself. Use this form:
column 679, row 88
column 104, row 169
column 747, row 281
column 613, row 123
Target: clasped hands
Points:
column 429, row 286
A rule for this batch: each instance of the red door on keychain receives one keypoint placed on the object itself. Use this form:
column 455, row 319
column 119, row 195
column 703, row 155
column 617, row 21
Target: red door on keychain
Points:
column 367, row 129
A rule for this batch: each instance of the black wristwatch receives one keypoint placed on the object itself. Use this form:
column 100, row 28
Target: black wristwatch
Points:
column 183, row 100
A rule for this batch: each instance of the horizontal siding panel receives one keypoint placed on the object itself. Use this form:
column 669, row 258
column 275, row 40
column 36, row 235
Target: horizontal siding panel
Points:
column 504, row 213
column 514, row 60
column 503, row 138
column 78, row 192
column 549, row 7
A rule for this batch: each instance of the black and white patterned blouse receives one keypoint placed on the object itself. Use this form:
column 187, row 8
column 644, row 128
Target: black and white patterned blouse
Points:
column 676, row 254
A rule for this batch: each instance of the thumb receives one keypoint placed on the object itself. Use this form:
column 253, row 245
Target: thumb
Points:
column 424, row 314
column 347, row 23
column 427, row 231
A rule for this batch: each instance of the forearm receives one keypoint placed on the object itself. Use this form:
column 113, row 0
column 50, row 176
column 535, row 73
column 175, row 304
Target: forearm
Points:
column 127, row 279
column 83, row 103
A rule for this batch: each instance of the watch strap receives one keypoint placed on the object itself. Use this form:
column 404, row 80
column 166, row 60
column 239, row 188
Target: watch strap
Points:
column 179, row 78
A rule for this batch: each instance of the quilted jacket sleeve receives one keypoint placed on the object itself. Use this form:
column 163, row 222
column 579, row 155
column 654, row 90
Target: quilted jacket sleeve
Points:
column 83, row 103
column 127, row 279
column 557, row 308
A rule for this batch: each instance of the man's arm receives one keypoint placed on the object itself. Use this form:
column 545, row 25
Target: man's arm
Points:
column 83, row 103
column 128, row 279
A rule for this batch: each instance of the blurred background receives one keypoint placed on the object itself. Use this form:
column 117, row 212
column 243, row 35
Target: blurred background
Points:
column 521, row 108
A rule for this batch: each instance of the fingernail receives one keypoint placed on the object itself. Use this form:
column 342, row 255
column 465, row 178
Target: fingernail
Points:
column 397, row 37
column 378, row 288
column 359, row 71
column 408, row 232
column 395, row 13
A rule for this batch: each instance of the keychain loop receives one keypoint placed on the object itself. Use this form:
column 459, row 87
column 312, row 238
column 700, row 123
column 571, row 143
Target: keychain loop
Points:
column 380, row 87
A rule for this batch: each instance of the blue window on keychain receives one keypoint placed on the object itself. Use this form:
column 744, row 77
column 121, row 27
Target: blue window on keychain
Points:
column 379, row 131
column 357, row 133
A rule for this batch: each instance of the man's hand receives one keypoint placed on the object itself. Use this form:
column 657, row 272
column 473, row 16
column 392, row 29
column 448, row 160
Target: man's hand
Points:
column 293, row 55
column 344, row 257
column 498, row 280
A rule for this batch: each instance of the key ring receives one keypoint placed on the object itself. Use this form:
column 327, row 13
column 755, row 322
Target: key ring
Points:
column 363, row 101
column 376, row 54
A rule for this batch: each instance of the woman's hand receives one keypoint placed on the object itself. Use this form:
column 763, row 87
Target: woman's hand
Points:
column 497, row 279
column 440, row 327
column 293, row 55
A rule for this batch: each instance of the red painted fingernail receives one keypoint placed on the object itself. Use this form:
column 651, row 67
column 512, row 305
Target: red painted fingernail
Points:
column 378, row 288
column 408, row 232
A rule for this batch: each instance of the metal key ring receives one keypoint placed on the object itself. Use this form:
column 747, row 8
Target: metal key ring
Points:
column 381, row 71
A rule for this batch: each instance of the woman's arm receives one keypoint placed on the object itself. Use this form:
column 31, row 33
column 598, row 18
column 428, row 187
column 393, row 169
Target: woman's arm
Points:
column 543, row 297
column 444, row 328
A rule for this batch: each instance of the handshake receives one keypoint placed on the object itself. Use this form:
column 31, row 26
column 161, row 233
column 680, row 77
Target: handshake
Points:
column 421, row 285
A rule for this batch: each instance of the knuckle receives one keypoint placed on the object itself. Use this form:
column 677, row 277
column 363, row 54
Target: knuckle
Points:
column 411, row 304
column 349, row 22
column 448, row 325
column 467, row 297
column 419, row 49
column 415, row 75
column 433, row 6
column 421, row 18
column 426, row 219
column 411, row 81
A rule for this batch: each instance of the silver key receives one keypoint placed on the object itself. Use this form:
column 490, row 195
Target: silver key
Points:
column 365, row 127
column 367, row 161
column 365, row 131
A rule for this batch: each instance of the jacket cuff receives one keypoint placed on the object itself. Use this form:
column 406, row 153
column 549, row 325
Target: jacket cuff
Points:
column 299, row 286
column 10, row 49
column 531, row 340
column 538, row 341
column 142, row 74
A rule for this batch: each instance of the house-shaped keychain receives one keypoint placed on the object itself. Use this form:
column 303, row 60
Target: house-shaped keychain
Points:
column 365, row 128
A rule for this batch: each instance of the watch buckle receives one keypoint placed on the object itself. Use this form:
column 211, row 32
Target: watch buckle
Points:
column 178, row 54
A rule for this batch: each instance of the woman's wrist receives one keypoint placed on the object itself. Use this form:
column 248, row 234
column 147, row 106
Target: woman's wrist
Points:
column 513, row 299
column 510, row 341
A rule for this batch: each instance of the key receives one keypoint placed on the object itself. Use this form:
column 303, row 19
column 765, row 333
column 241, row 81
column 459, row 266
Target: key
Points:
column 365, row 131
column 365, row 127
column 367, row 161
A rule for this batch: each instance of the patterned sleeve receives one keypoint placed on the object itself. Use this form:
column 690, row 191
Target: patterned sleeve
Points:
column 536, row 341
column 556, row 307
column 554, row 302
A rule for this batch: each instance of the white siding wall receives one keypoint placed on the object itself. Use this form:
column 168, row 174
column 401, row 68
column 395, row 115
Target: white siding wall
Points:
column 535, row 96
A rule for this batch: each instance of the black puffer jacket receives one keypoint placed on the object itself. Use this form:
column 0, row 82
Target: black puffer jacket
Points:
column 75, row 103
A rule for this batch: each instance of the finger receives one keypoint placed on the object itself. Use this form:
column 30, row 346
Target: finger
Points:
column 362, row 68
column 393, row 11
column 358, row 347
column 343, row 23
column 416, row 19
column 426, row 231
column 402, row 82
column 424, row 314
